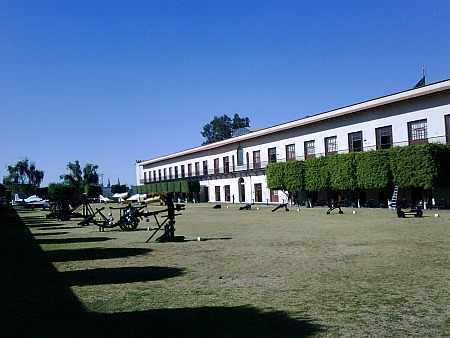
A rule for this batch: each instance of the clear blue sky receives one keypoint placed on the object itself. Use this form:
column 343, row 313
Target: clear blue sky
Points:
column 112, row 82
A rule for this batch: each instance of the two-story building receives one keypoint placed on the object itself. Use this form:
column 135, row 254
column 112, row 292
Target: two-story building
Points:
column 233, row 170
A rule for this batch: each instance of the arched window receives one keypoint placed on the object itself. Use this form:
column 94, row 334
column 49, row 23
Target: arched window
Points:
column 240, row 156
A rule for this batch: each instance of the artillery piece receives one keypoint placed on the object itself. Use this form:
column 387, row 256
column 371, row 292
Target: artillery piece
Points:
column 130, row 216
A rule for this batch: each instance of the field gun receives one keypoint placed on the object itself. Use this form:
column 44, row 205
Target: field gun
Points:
column 130, row 216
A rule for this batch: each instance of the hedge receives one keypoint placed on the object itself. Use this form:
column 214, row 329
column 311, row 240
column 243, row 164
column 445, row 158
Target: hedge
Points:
column 372, row 169
column 317, row 174
column 179, row 186
column 423, row 166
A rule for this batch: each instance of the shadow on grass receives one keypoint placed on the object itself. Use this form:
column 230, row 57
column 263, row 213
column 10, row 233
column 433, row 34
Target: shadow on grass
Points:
column 51, row 234
column 71, row 240
column 92, row 254
column 243, row 321
column 119, row 275
column 35, row 300
column 59, row 227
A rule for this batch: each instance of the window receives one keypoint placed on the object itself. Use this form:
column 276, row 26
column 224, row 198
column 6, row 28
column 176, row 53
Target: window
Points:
column 272, row 155
column 240, row 156
column 384, row 137
column 182, row 171
column 145, row 177
column 331, row 145
column 176, row 172
column 159, row 174
column 190, row 170
column 355, row 141
column 197, row 168
column 154, row 175
column 447, row 128
column 417, row 132
column 310, row 149
column 205, row 167
column 216, row 166
column 256, row 159
column 170, row 173
column 165, row 174
column 226, row 164
column 290, row 152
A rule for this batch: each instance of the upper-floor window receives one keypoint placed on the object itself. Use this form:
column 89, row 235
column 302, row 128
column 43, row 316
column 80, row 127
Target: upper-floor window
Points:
column 176, row 172
column 331, row 146
column 205, row 167
column 240, row 156
column 170, row 173
column 190, row 170
column 159, row 174
column 256, row 159
column 290, row 152
column 197, row 168
column 355, row 141
column 216, row 166
column 384, row 137
column 154, row 175
column 310, row 149
column 165, row 174
column 226, row 164
column 447, row 128
column 145, row 177
column 182, row 171
column 417, row 132
column 272, row 155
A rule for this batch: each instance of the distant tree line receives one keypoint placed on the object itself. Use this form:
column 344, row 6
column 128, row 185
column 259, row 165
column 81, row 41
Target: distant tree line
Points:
column 25, row 178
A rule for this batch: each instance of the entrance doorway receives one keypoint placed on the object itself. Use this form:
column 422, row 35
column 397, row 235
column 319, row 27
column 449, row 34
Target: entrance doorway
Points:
column 217, row 193
column 241, row 189
column 273, row 195
column 258, row 192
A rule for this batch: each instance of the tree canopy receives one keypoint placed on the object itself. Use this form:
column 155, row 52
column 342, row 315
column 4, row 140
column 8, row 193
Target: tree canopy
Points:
column 221, row 128
column 81, row 180
column 23, row 177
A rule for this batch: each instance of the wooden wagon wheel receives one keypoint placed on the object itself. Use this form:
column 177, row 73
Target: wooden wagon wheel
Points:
column 129, row 224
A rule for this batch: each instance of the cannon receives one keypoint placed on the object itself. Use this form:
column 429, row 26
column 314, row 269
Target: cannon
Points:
column 415, row 211
column 130, row 216
column 335, row 205
column 284, row 205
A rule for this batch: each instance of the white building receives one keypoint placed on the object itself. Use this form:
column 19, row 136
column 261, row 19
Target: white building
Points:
column 233, row 170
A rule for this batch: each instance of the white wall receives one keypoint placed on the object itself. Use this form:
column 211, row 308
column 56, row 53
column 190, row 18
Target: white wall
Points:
column 433, row 108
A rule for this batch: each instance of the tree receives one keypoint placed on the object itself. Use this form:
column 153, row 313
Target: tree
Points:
column 23, row 177
column 90, row 174
column 80, row 180
column 73, row 178
column 221, row 128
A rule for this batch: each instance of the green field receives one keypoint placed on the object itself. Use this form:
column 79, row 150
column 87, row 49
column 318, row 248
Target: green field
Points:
column 256, row 273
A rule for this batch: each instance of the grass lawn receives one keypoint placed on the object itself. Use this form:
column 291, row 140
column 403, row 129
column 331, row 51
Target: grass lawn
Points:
column 259, row 273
